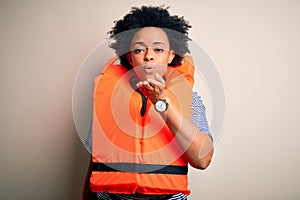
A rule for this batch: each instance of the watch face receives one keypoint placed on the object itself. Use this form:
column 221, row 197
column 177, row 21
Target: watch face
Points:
column 160, row 106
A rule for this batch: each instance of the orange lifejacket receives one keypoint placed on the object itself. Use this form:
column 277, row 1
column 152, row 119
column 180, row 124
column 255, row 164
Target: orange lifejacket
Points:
column 133, row 150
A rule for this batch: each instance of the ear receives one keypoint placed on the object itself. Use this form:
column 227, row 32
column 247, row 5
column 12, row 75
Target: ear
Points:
column 128, row 56
column 171, row 56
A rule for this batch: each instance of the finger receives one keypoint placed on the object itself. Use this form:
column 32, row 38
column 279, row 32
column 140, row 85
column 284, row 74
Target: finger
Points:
column 142, row 83
column 145, row 87
column 160, row 79
column 155, row 83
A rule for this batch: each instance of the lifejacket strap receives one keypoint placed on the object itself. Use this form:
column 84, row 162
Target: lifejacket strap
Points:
column 139, row 168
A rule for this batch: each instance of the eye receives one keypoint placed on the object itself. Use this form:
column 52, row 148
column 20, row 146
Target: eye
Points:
column 159, row 50
column 138, row 50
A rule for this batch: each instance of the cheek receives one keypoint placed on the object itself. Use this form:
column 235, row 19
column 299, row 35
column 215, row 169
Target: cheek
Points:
column 162, row 70
column 136, row 60
column 138, row 71
column 165, row 59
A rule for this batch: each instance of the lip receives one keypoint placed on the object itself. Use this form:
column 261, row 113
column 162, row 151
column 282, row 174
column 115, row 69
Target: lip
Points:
column 149, row 68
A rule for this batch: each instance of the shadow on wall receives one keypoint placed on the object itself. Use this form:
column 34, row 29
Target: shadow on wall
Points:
column 78, row 169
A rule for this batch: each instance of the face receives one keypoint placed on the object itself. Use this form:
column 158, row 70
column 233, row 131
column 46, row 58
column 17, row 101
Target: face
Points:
column 150, row 52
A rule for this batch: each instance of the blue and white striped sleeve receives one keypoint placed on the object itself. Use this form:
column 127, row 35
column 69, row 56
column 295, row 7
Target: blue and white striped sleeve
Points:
column 88, row 139
column 198, row 115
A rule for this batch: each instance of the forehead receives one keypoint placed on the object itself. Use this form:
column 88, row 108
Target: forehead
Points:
column 150, row 35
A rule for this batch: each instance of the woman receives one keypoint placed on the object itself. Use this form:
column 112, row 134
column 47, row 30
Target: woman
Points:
column 142, row 135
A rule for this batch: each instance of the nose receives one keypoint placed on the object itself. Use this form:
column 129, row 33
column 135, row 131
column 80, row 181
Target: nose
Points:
column 148, row 55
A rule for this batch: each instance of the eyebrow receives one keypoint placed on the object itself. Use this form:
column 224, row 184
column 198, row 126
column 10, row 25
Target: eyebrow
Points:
column 142, row 43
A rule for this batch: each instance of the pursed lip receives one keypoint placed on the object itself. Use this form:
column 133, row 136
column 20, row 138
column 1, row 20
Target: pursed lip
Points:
column 149, row 68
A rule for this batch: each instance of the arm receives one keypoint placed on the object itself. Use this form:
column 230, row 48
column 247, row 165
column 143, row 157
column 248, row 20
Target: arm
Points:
column 198, row 146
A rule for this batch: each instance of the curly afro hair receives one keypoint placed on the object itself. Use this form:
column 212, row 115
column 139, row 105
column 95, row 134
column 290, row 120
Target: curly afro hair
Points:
column 175, row 27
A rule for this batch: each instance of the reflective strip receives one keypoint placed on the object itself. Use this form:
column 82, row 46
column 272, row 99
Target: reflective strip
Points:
column 140, row 168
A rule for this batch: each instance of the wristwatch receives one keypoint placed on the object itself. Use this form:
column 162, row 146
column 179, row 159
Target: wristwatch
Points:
column 161, row 105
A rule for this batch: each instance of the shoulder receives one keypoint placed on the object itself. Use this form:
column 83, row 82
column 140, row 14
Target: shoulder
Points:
column 196, row 100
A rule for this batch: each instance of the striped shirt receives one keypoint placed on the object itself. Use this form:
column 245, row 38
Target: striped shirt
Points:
column 198, row 119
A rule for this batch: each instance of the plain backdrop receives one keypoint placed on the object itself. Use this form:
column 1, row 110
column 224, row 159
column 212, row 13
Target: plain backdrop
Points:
column 254, row 44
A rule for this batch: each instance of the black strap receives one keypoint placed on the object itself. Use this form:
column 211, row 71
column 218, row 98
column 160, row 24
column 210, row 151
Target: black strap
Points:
column 133, row 81
column 139, row 168
column 150, row 197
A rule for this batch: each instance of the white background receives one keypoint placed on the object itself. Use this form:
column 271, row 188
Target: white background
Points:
column 255, row 46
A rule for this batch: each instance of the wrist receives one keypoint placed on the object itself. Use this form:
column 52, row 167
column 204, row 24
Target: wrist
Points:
column 162, row 104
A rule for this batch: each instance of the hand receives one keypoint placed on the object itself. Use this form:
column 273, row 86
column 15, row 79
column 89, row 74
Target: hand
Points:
column 153, row 89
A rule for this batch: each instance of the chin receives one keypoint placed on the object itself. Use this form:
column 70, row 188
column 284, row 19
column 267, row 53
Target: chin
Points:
column 149, row 76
